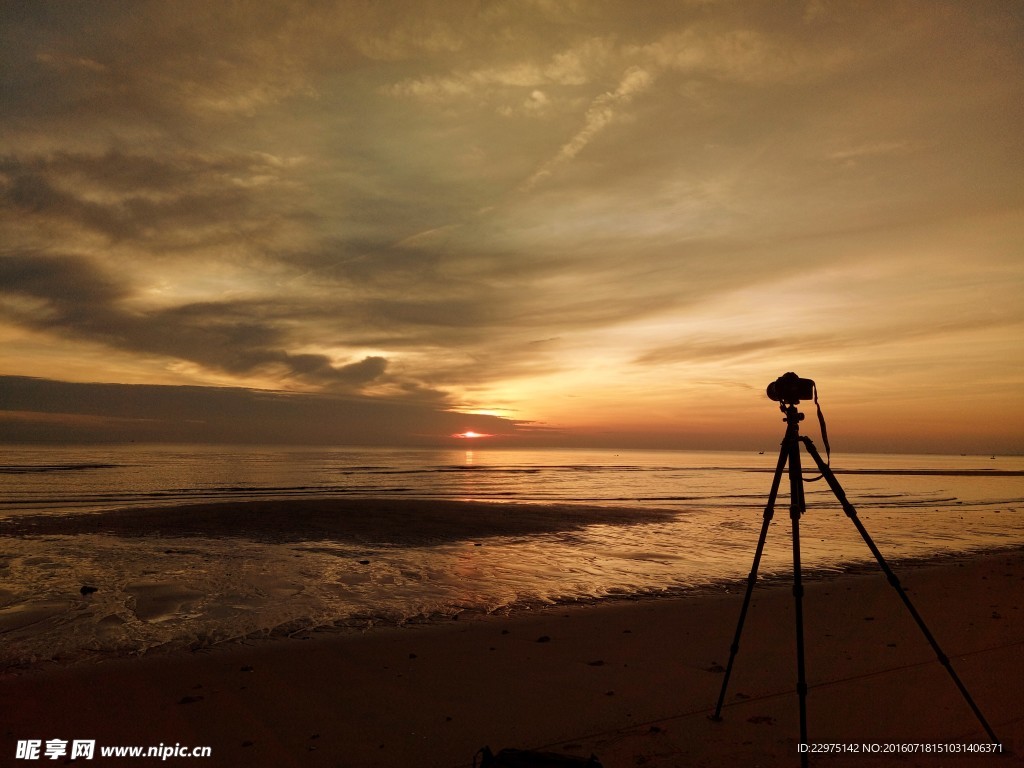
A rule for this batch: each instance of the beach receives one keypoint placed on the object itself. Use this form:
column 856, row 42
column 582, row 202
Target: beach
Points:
column 630, row 681
column 194, row 546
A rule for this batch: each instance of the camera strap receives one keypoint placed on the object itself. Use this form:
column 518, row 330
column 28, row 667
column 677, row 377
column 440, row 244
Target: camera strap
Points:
column 824, row 431
column 824, row 436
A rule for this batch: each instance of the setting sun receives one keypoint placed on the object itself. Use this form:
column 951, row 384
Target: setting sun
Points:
column 470, row 435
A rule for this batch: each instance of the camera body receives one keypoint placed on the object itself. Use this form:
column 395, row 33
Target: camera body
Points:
column 790, row 388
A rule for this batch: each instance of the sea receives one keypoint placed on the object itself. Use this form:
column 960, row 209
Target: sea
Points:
column 83, row 594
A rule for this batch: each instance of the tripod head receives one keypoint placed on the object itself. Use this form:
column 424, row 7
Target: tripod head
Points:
column 793, row 416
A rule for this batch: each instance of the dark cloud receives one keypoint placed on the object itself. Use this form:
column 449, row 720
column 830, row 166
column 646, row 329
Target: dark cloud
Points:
column 32, row 196
column 40, row 410
column 68, row 283
column 135, row 173
column 154, row 202
column 76, row 298
column 80, row 300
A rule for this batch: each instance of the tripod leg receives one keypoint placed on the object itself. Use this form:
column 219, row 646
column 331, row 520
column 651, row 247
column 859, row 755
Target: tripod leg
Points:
column 797, row 506
column 769, row 512
column 848, row 508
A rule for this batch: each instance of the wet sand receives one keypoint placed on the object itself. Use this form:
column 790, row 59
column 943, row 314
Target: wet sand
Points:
column 378, row 520
column 631, row 682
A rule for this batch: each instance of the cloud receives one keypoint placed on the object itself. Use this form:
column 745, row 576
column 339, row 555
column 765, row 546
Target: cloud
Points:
column 578, row 65
column 743, row 55
column 161, row 201
column 41, row 410
column 75, row 298
column 601, row 113
column 69, row 284
column 704, row 350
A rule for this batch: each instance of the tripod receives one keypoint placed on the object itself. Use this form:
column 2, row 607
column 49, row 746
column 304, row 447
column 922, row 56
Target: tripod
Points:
column 790, row 454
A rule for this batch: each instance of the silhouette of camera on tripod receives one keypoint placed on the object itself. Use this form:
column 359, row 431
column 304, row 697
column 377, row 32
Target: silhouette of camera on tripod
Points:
column 789, row 390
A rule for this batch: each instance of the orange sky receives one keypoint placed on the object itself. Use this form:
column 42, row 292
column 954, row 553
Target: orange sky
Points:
column 588, row 223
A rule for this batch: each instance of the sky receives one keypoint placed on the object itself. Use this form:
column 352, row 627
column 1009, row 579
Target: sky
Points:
column 578, row 223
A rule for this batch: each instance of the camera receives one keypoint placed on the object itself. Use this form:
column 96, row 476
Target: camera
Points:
column 790, row 388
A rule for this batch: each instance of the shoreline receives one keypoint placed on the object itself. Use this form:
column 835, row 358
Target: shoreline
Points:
column 358, row 624
column 134, row 581
column 629, row 680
